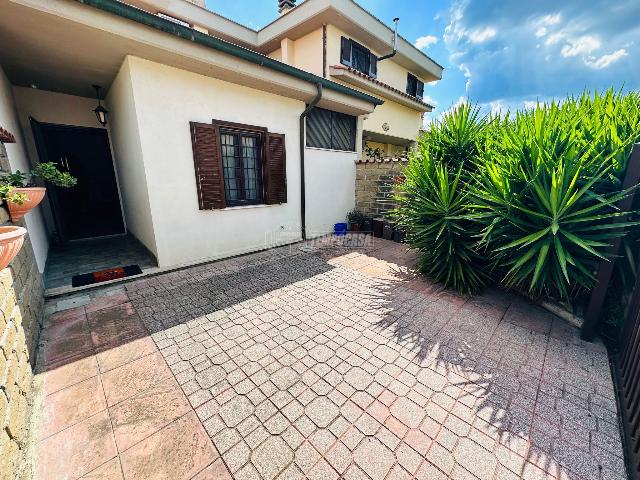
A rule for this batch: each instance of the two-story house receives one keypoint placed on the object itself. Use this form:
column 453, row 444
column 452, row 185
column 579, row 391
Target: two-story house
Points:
column 219, row 139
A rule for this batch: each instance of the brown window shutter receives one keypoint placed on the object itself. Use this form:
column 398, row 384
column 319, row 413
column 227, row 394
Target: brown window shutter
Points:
column 275, row 170
column 207, row 161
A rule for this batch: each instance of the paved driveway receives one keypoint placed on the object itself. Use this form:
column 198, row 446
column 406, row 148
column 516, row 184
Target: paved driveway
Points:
column 333, row 363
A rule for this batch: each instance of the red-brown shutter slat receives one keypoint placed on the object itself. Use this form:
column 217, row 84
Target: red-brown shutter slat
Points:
column 207, row 161
column 275, row 170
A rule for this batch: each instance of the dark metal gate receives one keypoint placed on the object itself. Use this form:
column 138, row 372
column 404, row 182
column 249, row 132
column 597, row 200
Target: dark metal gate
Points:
column 627, row 372
column 625, row 350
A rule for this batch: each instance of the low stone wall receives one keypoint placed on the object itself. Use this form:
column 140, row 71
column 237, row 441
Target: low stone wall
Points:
column 21, row 313
column 374, row 184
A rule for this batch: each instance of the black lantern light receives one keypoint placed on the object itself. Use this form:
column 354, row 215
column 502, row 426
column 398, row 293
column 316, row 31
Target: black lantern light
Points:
column 100, row 111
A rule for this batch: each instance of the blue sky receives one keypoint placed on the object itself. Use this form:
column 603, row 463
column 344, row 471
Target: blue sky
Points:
column 504, row 53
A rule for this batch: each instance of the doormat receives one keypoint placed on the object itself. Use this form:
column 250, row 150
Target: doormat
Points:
column 105, row 275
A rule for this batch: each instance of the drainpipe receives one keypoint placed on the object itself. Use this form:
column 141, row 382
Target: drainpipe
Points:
column 303, row 200
column 395, row 42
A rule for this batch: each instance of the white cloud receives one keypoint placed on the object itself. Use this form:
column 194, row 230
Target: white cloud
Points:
column 430, row 100
column 456, row 104
column 554, row 38
column 552, row 19
column 424, row 42
column 467, row 74
column 498, row 107
column 482, row 35
column 605, row 60
column 530, row 104
column 580, row 46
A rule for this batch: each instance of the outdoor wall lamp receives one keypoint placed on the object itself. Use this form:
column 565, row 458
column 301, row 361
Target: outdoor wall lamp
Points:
column 101, row 112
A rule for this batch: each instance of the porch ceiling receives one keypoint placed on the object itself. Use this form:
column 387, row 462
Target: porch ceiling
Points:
column 65, row 46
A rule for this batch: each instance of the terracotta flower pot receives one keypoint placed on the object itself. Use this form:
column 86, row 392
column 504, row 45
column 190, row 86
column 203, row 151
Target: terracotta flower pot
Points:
column 34, row 197
column 11, row 239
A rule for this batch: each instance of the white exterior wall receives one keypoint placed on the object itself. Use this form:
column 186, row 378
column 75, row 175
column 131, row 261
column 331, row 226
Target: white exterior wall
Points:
column 162, row 101
column 19, row 160
column 166, row 100
column 330, row 188
column 132, row 170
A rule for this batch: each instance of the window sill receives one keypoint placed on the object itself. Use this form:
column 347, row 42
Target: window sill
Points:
column 329, row 150
column 246, row 207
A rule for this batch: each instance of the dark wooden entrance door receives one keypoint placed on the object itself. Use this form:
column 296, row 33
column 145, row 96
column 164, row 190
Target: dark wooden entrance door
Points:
column 92, row 207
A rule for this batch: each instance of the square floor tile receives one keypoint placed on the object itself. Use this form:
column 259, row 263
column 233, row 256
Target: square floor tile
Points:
column 107, row 301
column 124, row 353
column 58, row 376
column 71, row 405
column 107, row 471
column 144, row 414
column 133, row 378
column 68, row 348
column 216, row 471
column 77, row 450
column 115, row 325
column 177, row 452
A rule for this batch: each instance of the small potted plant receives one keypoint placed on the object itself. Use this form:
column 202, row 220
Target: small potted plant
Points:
column 20, row 192
column 356, row 220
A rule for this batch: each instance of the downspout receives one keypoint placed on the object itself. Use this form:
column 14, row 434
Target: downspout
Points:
column 303, row 199
column 395, row 42
column 324, row 50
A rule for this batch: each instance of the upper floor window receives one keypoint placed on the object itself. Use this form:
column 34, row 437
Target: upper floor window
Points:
column 354, row 55
column 415, row 87
column 331, row 130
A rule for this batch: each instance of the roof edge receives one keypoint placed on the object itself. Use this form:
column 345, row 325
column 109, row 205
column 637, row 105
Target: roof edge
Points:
column 145, row 18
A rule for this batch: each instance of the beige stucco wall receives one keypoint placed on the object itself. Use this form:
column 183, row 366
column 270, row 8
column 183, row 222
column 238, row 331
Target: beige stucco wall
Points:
column 404, row 122
column 184, row 234
column 19, row 160
column 130, row 163
column 308, row 52
column 389, row 72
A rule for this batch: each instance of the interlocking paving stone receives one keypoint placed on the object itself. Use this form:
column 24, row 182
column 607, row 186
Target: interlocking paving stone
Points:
column 322, row 411
column 345, row 364
column 271, row 457
column 374, row 458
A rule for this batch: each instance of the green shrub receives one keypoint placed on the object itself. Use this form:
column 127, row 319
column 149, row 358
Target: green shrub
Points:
column 434, row 203
column 537, row 190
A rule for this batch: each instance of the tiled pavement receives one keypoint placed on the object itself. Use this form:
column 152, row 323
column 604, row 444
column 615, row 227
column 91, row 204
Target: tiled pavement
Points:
column 328, row 364
column 86, row 256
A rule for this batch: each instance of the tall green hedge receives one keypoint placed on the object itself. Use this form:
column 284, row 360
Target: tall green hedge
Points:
column 527, row 199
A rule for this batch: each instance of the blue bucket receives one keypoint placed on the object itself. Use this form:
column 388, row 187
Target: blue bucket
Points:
column 340, row 229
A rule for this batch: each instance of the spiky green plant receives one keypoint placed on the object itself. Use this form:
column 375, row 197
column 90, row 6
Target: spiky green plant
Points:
column 455, row 138
column 434, row 203
column 548, row 218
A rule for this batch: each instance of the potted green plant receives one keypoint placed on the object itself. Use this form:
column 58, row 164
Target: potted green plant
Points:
column 356, row 220
column 21, row 194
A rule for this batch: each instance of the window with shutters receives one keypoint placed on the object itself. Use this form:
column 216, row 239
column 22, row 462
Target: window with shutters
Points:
column 238, row 164
column 331, row 130
column 358, row 57
column 415, row 87
column 241, row 166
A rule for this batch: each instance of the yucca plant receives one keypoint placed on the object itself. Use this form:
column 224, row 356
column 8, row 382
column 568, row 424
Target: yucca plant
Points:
column 548, row 220
column 434, row 211
column 455, row 138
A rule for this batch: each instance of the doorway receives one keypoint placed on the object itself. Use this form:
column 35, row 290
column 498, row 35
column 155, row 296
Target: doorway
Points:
column 92, row 207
